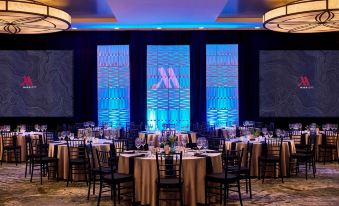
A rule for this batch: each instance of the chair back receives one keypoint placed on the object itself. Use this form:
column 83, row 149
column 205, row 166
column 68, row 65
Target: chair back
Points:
column 215, row 143
column 76, row 149
column 169, row 165
column 331, row 137
column 9, row 139
column 48, row 137
column 104, row 158
column 296, row 136
column 232, row 161
column 119, row 146
column 37, row 149
column 249, row 152
column 271, row 148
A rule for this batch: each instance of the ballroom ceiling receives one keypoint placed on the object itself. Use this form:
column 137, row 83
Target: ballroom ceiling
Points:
column 166, row 14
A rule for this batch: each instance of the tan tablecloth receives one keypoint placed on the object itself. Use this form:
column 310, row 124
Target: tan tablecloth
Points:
column 194, row 172
column 62, row 156
column 256, row 152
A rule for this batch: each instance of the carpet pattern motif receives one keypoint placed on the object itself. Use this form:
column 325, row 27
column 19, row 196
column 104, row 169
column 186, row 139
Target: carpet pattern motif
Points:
column 15, row 190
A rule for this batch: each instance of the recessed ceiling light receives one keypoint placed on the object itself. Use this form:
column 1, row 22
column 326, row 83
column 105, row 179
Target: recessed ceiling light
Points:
column 74, row 28
column 257, row 27
column 159, row 27
column 116, row 28
column 201, row 27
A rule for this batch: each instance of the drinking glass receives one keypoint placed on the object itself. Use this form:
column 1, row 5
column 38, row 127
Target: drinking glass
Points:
column 200, row 143
column 101, row 133
column 205, row 144
column 184, row 141
column 264, row 131
column 138, row 143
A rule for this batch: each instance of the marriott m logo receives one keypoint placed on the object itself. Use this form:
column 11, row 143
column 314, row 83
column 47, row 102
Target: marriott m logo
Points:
column 304, row 83
column 27, row 83
column 167, row 79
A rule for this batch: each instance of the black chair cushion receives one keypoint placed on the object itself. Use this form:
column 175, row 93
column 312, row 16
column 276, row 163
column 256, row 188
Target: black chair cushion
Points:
column 118, row 178
column 220, row 177
column 170, row 182
column 269, row 159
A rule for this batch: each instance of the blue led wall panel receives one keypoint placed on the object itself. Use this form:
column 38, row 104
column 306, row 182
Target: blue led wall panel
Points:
column 222, row 84
column 168, row 86
column 113, row 85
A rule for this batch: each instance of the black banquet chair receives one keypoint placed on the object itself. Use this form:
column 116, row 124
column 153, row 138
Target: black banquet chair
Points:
column 38, row 154
column 114, row 181
column 222, row 182
column 77, row 159
column 169, row 180
column 270, row 158
column 9, row 147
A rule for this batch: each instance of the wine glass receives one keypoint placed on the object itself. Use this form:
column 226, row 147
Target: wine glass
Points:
column 138, row 143
column 143, row 142
column 101, row 133
column 278, row 132
column 205, row 144
column 71, row 136
column 264, row 131
column 184, row 141
column 200, row 143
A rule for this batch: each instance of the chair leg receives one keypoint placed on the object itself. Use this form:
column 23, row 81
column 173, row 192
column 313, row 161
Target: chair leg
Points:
column 250, row 185
column 118, row 193
column 314, row 168
column 41, row 167
column 32, row 171
column 69, row 173
column 100, row 191
column 158, row 196
column 15, row 157
column 114, row 194
column 306, row 168
column 324, row 157
column 94, row 180
column 181, row 198
column 133, row 192
column 206, row 192
column 89, row 185
column 281, row 173
column 26, row 168
column 239, row 193
column 264, row 172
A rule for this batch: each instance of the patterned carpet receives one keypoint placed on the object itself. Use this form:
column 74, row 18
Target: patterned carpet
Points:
column 15, row 190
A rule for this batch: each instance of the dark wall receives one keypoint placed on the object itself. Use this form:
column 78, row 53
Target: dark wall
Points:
column 84, row 44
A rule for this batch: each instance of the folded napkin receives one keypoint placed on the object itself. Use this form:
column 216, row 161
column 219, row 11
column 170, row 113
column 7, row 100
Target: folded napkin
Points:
column 212, row 151
column 128, row 152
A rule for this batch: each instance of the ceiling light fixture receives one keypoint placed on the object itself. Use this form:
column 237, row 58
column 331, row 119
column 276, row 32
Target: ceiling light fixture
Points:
column 304, row 16
column 31, row 17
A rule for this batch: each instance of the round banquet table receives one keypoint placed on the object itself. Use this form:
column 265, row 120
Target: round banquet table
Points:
column 60, row 150
column 256, row 152
column 194, row 172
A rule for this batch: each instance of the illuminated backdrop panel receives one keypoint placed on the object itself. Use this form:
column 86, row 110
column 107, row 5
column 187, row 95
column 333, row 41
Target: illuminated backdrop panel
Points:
column 113, row 85
column 222, row 84
column 168, row 86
